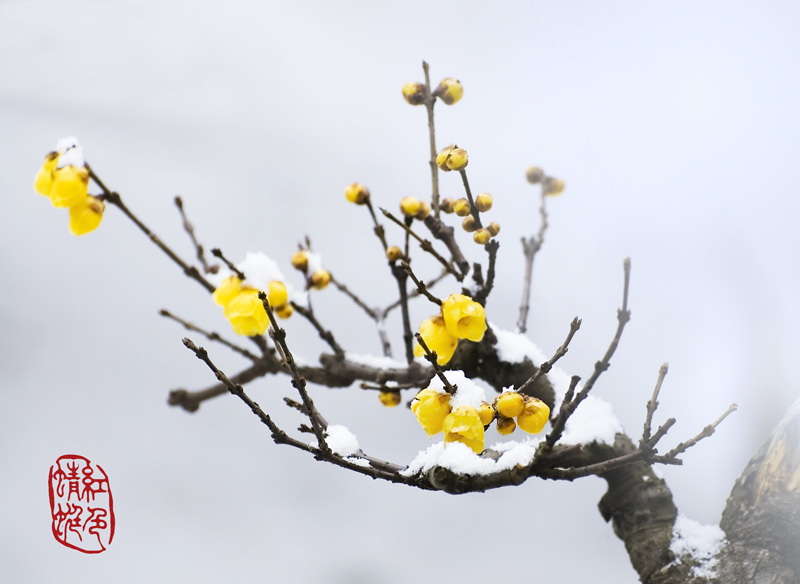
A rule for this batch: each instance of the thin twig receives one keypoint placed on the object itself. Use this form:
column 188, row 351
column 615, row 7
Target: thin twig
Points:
column 279, row 337
column 545, row 367
column 421, row 287
column 211, row 336
column 189, row 229
column 446, row 234
column 530, row 247
column 115, row 199
column 486, row 287
column 416, row 293
column 431, row 356
column 430, row 101
column 652, row 403
column 401, row 277
column 217, row 253
column 424, row 244
column 473, row 209
column 375, row 314
column 704, row 433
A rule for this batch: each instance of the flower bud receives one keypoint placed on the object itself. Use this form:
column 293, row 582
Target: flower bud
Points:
column 449, row 90
column 461, row 207
column 410, row 206
column 469, row 224
column 510, row 404
column 486, row 413
column 446, row 204
column 493, row 228
column 300, row 260
column 277, row 294
column 534, row 174
column 394, row 253
column 552, row 186
column 320, row 279
column 414, row 93
column 482, row 236
column 483, row 202
column 452, row 158
column 505, row 426
column 284, row 311
column 86, row 215
column 356, row 193
column 390, row 398
column 534, row 415
column 424, row 211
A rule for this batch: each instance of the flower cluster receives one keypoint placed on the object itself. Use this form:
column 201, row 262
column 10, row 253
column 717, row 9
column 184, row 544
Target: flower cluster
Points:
column 463, row 208
column 531, row 413
column 551, row 186
column 244, row 308
column 449, row 90
column 310, row 264
column 64, row 179
column 462, row 418
column 461, row 318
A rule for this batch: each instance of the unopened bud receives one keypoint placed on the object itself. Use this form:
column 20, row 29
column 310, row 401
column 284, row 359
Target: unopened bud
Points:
column 389, row 398
column 534, row 174
column 461, row 207
column 320, row 279
column 505, row 426
column 449, row 90
column 452, row 158
column 300, row 260
column 414, row 93
column 356, row 193
column 494, row 228
column 394, row 253
column 483, row 202
column 482, row 236
column 446, row 204
column 469, row 224
column 552, row 186
column 410, row 206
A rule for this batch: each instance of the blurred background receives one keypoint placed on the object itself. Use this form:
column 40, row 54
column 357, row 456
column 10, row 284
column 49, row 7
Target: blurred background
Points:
column 674, row 126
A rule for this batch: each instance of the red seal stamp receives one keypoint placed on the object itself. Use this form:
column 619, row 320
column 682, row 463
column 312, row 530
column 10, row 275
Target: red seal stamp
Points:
column 81, row 504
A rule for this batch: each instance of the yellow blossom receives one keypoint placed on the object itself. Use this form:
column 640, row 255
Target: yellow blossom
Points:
column 300, row 260
column 389, row 398
column 450, row 90
column 435, row 334
column 464, row 425
column 246, row 313
column 414, row 93
column 431, row 407
column 70, row 186
column 461, row 207
column 452, row 158
column 534, row 174
column 410, row 206
column 284, row 310
column 394, row 253
column 446, row 205
column 86, row 215
column 43, row 183
column 320, row 279
column 486, row 412
column 493, row 228
column 463, row 317
column 534, row 415
column 505, row 426
column 552, row 187
column 277, row 294
column 226, row 291
column 356, row 193
column 484, row 202
column 510, row 404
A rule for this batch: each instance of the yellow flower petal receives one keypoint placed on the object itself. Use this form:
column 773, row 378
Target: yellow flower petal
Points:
column 510, row 404
column 86, row 215
column 246, row 313
column 464, row 425
column 439, row 340
column 70, row 186
column 431, row 407
column 277, row 295
column 43, row 183
column 463, row 317
column 534, row 415
column 227, row 291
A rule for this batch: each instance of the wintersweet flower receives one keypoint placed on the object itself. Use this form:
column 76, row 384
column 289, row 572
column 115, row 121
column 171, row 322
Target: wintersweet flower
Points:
column 246, row 313
column 227, row 291
column 534, row 415
column 277, row 294
column 390, row 398
column 450, row 90
column 431, row 407
column 463, row 317
column 43, row 183
column 356, row 193
column 439, row 340
column 70, row 186
column 86, row 215
column 510, row 404
column 487, row 413
column 464, row 425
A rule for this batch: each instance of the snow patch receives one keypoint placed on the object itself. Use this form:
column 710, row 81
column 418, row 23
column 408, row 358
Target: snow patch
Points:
column 341, row 441
column 460, row 458
column 592, row 421
column 259, row 270
column 468, row 393
column 376, row 362
column 70, row 152
column 702, row 542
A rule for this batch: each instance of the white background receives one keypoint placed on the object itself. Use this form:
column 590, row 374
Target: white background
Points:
column 675, row 128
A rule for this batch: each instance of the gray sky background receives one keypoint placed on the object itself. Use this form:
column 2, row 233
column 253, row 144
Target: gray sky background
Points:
column 674, row 126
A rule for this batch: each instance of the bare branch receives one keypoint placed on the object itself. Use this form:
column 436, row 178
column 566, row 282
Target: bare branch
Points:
column 431, row 357
column 211, row 336
column 652, row 403
column 421, row 287
column 189, row 229
column 530, row 247
column 424, row 244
